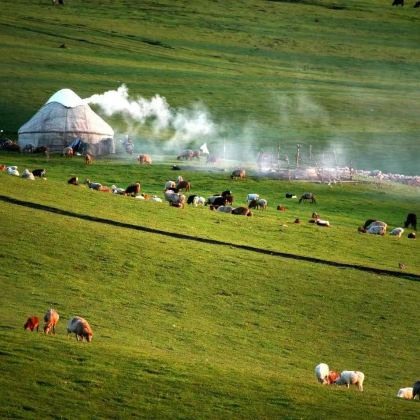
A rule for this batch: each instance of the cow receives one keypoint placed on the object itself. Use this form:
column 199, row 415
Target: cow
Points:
column 144, row 159
column 31, row 323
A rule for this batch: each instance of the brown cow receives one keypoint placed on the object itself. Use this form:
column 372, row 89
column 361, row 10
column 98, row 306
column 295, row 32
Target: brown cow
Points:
column 31, row 323
column 51, row 319
column 144, row 159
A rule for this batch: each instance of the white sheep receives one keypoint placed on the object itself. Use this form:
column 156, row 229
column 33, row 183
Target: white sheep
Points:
column 13, row 170
column 225, row 209
column 27, row 174
column 321, row 372
column 397, row 232
column 251, row 197
column 199, row 201
column 406, row 393
column 351, row 377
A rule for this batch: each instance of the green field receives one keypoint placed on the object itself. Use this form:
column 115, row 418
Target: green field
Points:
column 184, row 329
column 339, row 75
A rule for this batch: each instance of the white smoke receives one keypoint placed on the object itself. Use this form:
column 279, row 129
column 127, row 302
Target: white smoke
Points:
column 184, row 124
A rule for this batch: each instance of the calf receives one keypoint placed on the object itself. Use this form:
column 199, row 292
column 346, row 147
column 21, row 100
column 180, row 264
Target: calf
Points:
column 81, row 328
column 51, row 319
column 31, row 323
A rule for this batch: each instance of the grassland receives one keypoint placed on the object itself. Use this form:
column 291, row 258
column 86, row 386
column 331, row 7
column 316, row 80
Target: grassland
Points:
column 192, row 330
column 339, row 75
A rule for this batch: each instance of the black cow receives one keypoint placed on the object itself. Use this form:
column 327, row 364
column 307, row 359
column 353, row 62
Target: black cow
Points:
column 411, row 221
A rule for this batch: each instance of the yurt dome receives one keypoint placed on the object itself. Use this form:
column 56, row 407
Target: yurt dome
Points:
column 64, row 118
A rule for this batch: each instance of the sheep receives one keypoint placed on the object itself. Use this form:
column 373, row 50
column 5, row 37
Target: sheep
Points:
column 74, row 180
column 40, row 173
column 31, row 323
column 406, row 393
column 225, row 209
column 196, row 200
column 13, row 170
column 28, row 175
column 170, row 185
column 416, row 389
column 238, row 173
column 351, row 377
column 68, row 152
column 51, row 319
column 258, row 204
column 81, row 328
column 133, row 189
column 308, row 196
column 156, row 199
column 321, row 372
column 183, row 185
column 251, row 197
column 117, row 190
column 242, row 211
column 88, row 159
column 93, row 185
column 175, row 199
column 397, row 232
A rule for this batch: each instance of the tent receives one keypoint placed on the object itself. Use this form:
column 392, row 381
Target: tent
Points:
column 64, row 119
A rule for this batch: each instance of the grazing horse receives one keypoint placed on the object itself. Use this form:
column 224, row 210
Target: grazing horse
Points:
column 308, row 196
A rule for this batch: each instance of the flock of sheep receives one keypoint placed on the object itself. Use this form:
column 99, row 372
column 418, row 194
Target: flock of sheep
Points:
column 326, row 376
column 77, row 325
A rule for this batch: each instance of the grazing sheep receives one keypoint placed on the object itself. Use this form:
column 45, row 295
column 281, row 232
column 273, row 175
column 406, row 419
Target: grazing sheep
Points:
column 406, row 393
column 183, row 185
column 28, row 175
column 416, row 389
column 175, row 199
column 170, row 185
column 332, row 377
column 117, row 190
column 238, row 173
column 81, row 328
column 397, row 232
column 133, row 189
column 251, row 197
column 40, row 173
column 411, row 221
column 74, row 180
column 351, row 377
column 93, row 185
column 51, row 319
column 307, row 196
column 88, row 159
column 12, row 170
column 225, row 209
column 321, row 372
column 242, row 211
column 68, row 152
column 144, row 159
column 196, row 200
column 31, row 323
column 258, row 204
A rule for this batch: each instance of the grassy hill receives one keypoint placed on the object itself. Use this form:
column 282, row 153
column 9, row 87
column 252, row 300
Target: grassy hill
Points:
column 341, row 76
column 184, row 329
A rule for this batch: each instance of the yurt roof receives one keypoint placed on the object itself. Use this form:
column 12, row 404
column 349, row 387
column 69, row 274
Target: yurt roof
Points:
column 66, row 112
column 67, row 98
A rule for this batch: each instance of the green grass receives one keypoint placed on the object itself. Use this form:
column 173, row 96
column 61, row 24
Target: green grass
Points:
column 191, row 330
column 333, row 74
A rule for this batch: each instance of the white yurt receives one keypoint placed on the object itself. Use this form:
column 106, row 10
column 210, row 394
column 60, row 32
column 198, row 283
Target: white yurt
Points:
column 64, row 120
